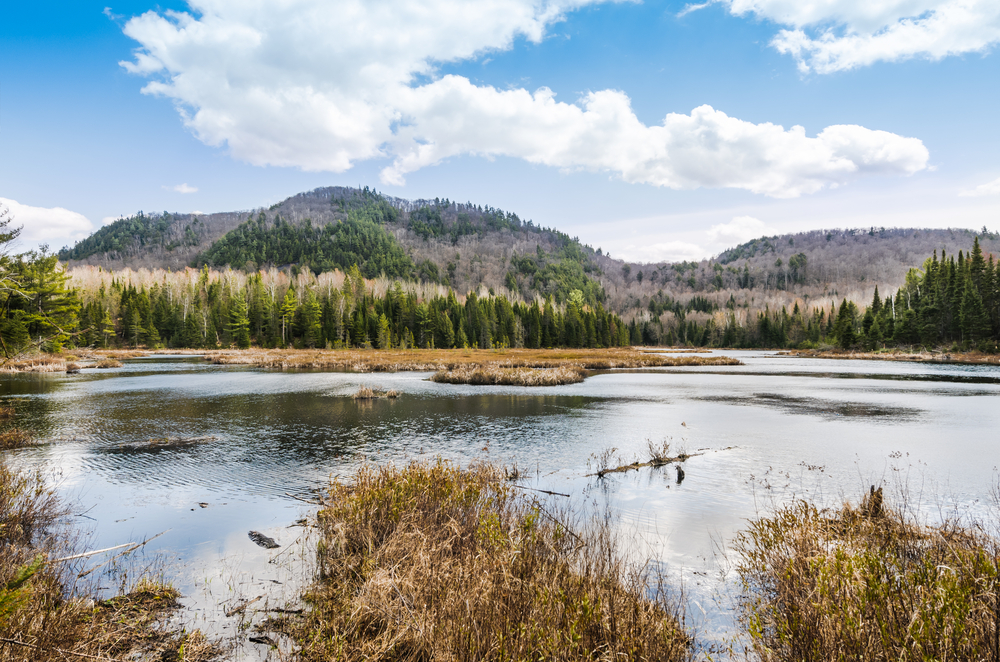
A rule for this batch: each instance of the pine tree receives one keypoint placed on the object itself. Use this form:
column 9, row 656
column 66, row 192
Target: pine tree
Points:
column 239, row 322
column 288, row 307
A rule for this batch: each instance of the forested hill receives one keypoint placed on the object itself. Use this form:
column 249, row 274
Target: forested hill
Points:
column 467, row 246
column 440, row 241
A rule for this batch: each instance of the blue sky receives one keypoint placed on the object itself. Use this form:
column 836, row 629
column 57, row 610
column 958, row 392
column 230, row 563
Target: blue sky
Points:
column 654, row 130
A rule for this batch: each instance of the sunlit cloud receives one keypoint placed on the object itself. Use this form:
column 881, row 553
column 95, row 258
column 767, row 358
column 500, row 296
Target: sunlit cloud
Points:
column 282, row 83
column 55, row 226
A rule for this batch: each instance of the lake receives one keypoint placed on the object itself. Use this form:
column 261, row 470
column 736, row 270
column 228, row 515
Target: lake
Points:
column 206, row 453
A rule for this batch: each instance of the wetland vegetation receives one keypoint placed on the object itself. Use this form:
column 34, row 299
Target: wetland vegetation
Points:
column 429, row 561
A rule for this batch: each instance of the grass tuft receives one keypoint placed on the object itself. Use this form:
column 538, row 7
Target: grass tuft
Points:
column 108, row 363
column 867, row 583
column 493, row 374
column 432, row 562
column 14, row 437
column 369, row 393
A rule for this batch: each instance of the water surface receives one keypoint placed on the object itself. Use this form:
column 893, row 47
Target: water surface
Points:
column 209, row 452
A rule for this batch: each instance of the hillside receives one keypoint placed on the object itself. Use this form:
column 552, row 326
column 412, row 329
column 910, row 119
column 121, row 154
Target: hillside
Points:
column 467, row 246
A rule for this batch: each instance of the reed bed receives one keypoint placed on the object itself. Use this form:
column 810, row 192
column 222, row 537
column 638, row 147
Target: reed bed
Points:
column 493, row 374
column 432, row 562
column 104, row 364
column 921, row 356
column 36, row 363
column 433, row 360
column 867, row 583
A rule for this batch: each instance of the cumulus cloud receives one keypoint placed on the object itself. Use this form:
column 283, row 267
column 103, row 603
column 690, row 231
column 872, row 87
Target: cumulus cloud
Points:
column 737, row 231
column 990, row 188
column 182, row 188
column 836, row 35
column 303, row 83
column 47, row 225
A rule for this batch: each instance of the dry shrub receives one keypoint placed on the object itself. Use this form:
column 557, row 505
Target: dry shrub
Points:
column 431, row 562
column 494, row 374
column 6, row 412
column 867, row 584
column 108, row 363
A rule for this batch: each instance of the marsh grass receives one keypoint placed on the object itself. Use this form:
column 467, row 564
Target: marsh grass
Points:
column 917, row 355
column 15, row 437
column 428, row 360
column 108, row 363
column 432, row 562
column 867, row 583
column 369, row 393
column 495, row 375
column 36, row 363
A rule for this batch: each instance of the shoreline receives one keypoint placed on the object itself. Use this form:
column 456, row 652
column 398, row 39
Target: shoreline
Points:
column 452, row 360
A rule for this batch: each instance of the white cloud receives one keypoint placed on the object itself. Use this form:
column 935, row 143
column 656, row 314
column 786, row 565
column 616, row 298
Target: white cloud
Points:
column 836, row 35
column 298, row 83
column 55, row 226
column 739, row 230
column 989, row 188
column 667, row 251
column 182, row 188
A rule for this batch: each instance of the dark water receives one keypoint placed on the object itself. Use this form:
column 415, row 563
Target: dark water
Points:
column 138, row 450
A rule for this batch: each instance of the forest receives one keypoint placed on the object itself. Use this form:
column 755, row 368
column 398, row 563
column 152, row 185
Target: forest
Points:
column 209, row 309
column 951, row 301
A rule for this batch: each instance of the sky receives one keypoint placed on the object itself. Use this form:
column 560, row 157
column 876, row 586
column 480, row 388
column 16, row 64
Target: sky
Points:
column 653, row 130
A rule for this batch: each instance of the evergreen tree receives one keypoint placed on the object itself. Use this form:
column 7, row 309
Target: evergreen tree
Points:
column 239, row 322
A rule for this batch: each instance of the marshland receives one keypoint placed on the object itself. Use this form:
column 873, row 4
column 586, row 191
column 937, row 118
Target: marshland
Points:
column 249, row 448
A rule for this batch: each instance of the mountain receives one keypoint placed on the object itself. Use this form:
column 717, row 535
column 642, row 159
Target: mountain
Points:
column 466, row 246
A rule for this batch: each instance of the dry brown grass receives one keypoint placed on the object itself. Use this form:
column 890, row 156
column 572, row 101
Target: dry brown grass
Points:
column 368, row 393
column 36, row 363
column 493, row 374
column 108, row 363
column 866, row 584
column 973, row 357
column 433, row 360
column 430, row 562
column 15, row 438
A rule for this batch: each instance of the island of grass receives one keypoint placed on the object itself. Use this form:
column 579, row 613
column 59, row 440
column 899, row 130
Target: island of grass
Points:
column 433, row 562
column 521, row 367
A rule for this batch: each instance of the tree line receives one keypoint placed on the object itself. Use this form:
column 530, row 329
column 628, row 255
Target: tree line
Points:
column 219, row 310
column 951, row 300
